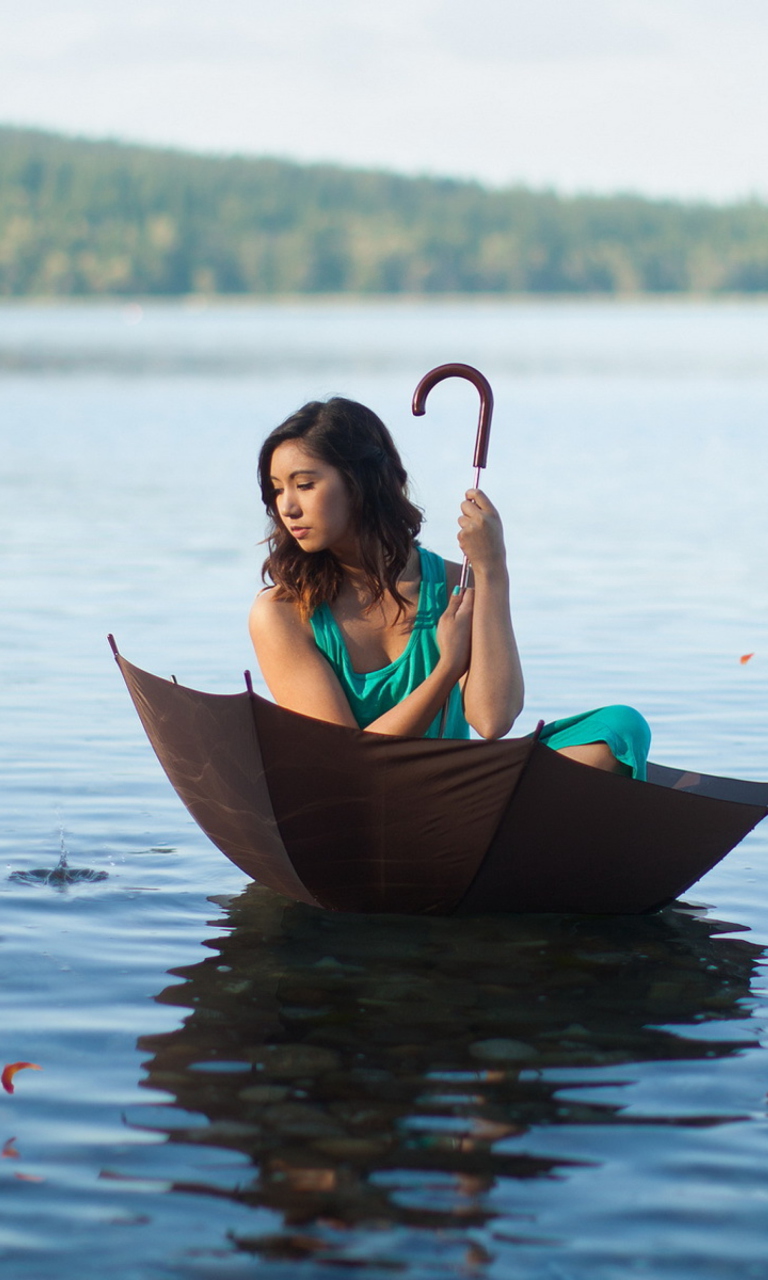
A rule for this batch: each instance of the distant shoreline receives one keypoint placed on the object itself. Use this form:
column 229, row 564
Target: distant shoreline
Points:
column 199, row 302
column 106, row 221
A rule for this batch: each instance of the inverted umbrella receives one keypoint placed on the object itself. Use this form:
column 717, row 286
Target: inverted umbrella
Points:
column 352, row 820
column 356, row 821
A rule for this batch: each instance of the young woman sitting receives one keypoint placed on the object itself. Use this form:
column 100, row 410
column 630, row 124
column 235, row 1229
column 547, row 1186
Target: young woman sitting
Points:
column 363, row 626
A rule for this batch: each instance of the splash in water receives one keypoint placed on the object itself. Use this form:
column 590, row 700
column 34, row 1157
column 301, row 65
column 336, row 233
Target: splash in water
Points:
column 62, row 876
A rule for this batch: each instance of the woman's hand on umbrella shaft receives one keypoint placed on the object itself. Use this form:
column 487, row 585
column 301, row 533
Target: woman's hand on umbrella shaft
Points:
column 481, row 536
column 454, row 633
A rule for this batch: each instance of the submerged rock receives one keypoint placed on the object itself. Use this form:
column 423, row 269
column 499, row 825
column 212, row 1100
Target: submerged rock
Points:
column 287, row 1061
column 502, row 1050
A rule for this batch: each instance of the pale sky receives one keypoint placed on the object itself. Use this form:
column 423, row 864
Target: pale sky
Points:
column 663, row 97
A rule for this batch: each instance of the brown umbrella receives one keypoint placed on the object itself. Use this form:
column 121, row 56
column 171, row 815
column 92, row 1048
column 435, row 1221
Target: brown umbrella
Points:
column 356, row 821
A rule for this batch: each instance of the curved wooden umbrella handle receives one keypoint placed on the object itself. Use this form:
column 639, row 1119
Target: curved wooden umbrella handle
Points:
column 418, row 406
column 486, row 401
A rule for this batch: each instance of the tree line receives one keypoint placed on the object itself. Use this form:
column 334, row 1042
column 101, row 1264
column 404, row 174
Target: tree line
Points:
column 82, row 218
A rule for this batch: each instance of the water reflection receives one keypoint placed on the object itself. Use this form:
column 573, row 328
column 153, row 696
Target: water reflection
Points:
column 379, row 1072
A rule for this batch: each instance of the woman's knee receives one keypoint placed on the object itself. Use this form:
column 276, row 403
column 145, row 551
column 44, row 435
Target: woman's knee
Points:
column 634, row 726
column 597, row 755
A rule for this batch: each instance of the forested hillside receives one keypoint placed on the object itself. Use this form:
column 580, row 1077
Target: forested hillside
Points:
column 103, row 218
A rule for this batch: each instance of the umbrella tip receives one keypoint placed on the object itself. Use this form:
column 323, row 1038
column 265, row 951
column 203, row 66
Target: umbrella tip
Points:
column 248, row 681
column 113, row 645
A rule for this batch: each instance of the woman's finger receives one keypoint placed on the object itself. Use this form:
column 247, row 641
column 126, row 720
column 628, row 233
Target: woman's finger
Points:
column 480, row 498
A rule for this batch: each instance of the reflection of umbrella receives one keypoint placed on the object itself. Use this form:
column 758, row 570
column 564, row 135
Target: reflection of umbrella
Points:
column 357, row 821
column 377, row 1075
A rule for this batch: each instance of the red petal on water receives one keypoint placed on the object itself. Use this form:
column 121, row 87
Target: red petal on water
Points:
column 6, row 1079
column 745, row 657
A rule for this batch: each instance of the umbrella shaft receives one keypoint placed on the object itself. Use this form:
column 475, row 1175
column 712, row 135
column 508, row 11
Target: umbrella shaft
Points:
column 462, row 589
column 465, row 562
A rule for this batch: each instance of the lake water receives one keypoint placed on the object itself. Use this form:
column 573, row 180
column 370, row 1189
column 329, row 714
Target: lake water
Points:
column 236, row 1086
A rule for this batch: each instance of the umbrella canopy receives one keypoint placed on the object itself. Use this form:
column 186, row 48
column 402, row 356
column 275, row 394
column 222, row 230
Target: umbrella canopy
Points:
column 356, row 821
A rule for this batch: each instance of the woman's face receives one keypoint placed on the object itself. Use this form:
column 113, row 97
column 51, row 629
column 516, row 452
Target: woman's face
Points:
column 311, row 500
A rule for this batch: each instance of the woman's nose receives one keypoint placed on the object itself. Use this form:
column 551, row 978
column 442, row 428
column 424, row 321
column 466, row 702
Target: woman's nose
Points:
column 289, row 505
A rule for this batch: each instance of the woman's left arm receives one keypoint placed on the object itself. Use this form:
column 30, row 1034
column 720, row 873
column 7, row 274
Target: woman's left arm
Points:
column 493, row 688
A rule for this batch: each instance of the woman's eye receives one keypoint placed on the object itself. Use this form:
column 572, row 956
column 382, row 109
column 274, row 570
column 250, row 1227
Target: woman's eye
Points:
column 307, row 485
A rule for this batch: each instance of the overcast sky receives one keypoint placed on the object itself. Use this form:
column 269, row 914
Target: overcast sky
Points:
column 657, row 96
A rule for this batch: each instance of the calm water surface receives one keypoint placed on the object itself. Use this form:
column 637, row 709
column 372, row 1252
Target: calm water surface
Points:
column 233, row 1085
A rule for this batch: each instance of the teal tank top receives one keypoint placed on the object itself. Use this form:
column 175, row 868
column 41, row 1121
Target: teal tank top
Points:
column 371, row 693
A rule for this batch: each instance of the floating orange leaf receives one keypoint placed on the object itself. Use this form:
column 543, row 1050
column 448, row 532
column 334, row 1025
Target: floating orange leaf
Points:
column 9, row 1152
column 6, row 1079
column 745, row 657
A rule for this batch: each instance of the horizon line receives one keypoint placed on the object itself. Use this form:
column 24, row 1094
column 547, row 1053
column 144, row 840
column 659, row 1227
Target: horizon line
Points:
column 422, row 175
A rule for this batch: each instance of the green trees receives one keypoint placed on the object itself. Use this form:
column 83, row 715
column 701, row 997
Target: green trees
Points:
column 102, row 218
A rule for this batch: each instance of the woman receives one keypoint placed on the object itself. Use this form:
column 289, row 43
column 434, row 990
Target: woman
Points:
column 366, row 628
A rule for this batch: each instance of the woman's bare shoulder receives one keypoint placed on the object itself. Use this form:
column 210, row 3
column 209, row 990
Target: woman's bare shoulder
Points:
column 267, row 598
column 271, row 616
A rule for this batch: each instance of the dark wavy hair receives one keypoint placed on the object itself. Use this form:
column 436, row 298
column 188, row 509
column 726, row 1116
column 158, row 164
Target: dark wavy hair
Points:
column 355, row 441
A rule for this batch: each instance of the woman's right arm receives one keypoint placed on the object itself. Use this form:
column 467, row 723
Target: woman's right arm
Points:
column 296, row 673
column 494, row 689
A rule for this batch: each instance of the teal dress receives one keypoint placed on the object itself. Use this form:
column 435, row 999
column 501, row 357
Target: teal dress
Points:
column 370, row 694
column 627, row 733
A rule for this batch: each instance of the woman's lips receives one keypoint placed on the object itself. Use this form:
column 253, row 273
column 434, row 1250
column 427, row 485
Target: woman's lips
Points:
column 299, row 531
